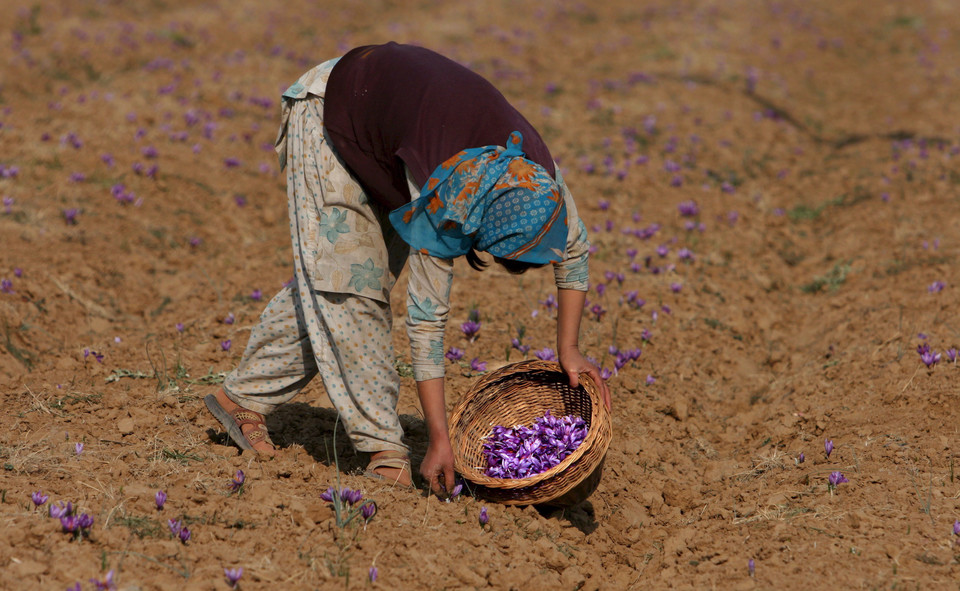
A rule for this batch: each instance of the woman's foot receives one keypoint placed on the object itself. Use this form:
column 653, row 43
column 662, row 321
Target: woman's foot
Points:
column 391, row 466
column 245, row 427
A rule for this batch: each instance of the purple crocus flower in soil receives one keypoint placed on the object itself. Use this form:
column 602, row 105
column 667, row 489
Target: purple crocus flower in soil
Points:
column 646, row 335
column 256, row 295
column 104, row 585
column 454, row 354
column 368, row 510
column 78, row 448
column 470, row 329
column 516, row 344
column 85, row 521
column 233, row 576
column 801, row 458
column 956, row 527
column 598, row 311
column 69, row 523
column 39, row 498
column 59, row 510
column 160, row 498
column 676, row 287
column 751, row 567
column 225, row 345
column 70, row 215
column 605, row 373
column 175, row 526
column 930, row 358
column 836, row 478
column 545, row 354
column 327, row 495
column 651, row 380
column 6, row 286
column 952, row 354
column 179, row 327
column 477, row 365
column 229, row 318
column 238, row 481
column 550, row 303
column 372, row 573
column 828, row 446
column 936, row 287
column 484, row 519
column 184, row 535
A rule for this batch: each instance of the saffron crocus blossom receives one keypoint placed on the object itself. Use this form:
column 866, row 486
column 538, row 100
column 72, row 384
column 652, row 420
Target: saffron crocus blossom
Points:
column 78, row 448
column 930, row 358
column 184, row 535
column 801, row 458
column 238, row 480
column 484, row 519
column 951, row 355
column 160, row 498
column 104, row 585
column 651, row 380
column 70, row 215
column 956, row 527
column 454, row 354
column 179, row 327
column 59, row 510
column 550, row 303
column 39, row 498
column 477, row 365
column 69, row 523
column 751, row 567
column 688, row 208
column 372, row 573
column 828, row 446
column 225, row 345
column 256, row 295
column 836, row 478
column 175, row 525
column 233, row 576
column 936, row 287
column 368, row 510
column 470, row 329
column 545, row 354
column 229, row 318
column 516, row 344
column 327, row 495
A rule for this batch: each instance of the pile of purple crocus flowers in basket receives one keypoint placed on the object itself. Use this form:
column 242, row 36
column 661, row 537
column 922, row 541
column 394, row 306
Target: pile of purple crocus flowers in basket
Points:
column 522, row 451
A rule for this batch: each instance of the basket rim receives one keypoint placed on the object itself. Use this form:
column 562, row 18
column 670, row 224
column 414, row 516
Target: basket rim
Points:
column 598, row 433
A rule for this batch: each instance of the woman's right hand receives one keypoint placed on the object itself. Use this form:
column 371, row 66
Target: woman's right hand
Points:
column 437, row 466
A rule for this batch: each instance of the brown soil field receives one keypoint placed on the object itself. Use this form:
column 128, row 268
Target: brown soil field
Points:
column 778, row 181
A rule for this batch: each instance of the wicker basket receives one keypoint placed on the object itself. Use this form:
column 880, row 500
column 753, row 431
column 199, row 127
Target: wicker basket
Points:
column 518, row 394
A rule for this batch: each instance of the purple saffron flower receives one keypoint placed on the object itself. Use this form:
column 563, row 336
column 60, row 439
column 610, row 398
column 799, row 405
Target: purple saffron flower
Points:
column 546, row 354
column 233, row 576
column 179, row 327
column 951, row 354
column 477, row 365
column 75, row 587
column 456, row 490
column 368, row 510
column 470, row 329
column 688, row 208
column 801, row 458
column 256, row 295
column 60, row 510
column 372, row 573
column 956, row 527
column 598, row 311
column 828, row 446
column 85, row 521
column 7, row 205
column 240, row 200
column 6, row 286
column 930, row 358
column 483, row 516
column 550, row 303
column 684, row 254
column 454, row 354
column 516, row 344
column 104, row 585
column 70, row 215
column 69, row 523
column 936, row 287
column 225, row 345
column 676, row 287
column 184, row 535
column 605, row 373
column 78, row 447
column 39, row 498
column 229, row 318
column 751, row 567
column 195, row 241
column 646, row 335
column 327, row 495
column 175, row 526
column 160, row 498
column 651, row 380
column 231, row 162
column 836, row 478
column 238, row 480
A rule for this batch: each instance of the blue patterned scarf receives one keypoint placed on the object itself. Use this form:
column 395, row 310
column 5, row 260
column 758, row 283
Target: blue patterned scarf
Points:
column 492, row 199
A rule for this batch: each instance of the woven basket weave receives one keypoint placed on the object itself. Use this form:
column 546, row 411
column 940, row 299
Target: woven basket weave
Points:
column 518, row 394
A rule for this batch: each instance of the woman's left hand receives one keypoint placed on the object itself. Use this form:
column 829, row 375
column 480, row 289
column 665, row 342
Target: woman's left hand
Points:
column 574, row 363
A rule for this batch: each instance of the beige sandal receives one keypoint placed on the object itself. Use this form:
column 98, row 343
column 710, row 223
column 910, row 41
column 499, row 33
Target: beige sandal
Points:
column 396, row 460
column 233, row 421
